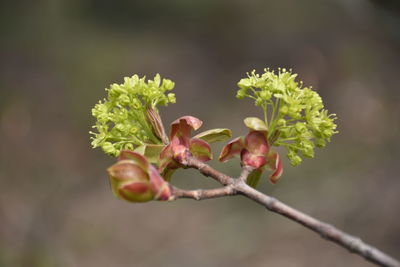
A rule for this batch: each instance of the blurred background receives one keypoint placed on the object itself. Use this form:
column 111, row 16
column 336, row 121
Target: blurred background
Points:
column 57, row 56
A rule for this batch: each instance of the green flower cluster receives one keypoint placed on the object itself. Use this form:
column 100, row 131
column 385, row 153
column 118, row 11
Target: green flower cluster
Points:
column 121, row 118
column 294, row 114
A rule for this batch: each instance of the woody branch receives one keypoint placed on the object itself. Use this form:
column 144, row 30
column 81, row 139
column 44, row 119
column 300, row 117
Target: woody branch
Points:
column 238, row 186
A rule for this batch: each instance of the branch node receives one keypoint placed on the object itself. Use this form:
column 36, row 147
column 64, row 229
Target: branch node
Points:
column 327, row 231
column 197, row 195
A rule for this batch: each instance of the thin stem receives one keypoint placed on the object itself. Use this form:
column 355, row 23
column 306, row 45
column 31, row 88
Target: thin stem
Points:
column 273, row 120
column 201, row 194
column 138, row 117
column 208, row 171
column 246, row 170
column 250, row 96
column 254, row 91
column 288, row 139
column 265, row 113
column 327, row 231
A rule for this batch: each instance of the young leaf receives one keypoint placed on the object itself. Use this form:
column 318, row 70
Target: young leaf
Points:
column 151, row 152
column 255, row 124
column 214, row 135
column 254, row 177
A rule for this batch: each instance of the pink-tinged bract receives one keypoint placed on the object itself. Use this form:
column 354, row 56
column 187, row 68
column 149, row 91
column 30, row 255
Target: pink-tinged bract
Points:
column 200, row 149
column 252, row 160
column 183, row 126
column 139, row 159
column 232, row 149
column 134, row 179
column 181, row 145
column 275, row 163
column 256, row 142
column 254, row 151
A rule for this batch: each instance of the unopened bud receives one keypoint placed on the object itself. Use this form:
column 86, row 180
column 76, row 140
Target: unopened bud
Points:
column 134, row 179
column 157, row 125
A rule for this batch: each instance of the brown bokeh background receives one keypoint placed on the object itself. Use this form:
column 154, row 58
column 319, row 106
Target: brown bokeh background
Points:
column 57, row 56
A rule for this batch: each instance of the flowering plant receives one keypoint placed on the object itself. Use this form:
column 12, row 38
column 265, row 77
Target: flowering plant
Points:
column 294, row 117
column 129, row 126
column 123, row 118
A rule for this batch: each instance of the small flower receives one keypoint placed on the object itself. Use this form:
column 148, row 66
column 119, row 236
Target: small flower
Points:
column 181, row 145
column 128, row 117
column 134, row 179
column 254, row 149
column 295, row 115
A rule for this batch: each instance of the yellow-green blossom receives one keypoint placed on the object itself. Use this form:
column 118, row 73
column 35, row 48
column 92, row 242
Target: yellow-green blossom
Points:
column 295, row 115
column 121, row 117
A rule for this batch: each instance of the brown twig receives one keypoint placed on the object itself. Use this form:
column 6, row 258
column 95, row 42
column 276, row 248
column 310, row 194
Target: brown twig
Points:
column 208, row 171
column 201, row 194
column 246, row 170
column 327, row 231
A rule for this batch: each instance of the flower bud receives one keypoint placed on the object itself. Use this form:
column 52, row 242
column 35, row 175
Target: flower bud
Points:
column 157, row 125
column 253, row 149
column 182, row 145
column 168, row 84
column 257, row 148
column 244, row 83
column 134, row 179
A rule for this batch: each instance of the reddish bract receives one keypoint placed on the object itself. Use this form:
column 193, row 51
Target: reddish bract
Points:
column 134, row 179
column 181, row 145
column 255, row 152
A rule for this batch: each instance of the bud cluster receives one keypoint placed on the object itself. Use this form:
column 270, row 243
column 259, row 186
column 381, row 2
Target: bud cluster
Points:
column 122, row 118
column 294, row 115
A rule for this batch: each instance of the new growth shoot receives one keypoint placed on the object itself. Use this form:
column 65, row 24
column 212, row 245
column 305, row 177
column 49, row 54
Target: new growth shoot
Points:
column 294, row 115
column 122, row 118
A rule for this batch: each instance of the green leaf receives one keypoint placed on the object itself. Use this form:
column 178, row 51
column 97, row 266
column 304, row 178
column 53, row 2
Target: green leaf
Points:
column 215, row 135
column 167, row 174
column 151, row 152
column 255, row 124
column 200, row 149
column 254, row 177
